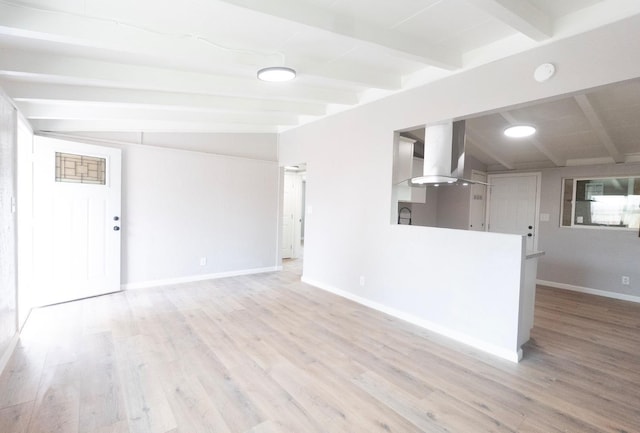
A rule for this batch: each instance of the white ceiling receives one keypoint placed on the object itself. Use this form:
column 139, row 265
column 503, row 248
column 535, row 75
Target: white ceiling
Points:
column 190, row 66
column 598, row 126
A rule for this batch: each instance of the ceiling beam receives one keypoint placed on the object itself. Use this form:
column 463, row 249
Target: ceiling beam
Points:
column 47, row 24
column 366, row 76
column 520, row 15
column 187, row 50
column 559, row 162
column 129, row 125
column 484, row 147
column 598, row 126
column 351, row 27
column 80, row 71
column 83, row 111
column 42, row 92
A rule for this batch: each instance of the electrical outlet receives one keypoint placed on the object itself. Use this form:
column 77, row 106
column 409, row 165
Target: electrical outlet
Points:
column 626, row 280
column 362, row 280
column 203, row 261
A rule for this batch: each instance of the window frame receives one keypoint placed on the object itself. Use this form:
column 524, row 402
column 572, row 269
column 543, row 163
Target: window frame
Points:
column 573, row 225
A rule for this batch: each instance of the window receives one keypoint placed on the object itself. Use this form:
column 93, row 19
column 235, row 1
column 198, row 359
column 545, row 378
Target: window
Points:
column 80, row 168
column 612, row 202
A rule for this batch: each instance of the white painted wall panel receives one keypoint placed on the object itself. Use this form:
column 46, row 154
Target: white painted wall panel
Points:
column 437, row 274
column 179, row 206
column 8, row 231
column 586, row 257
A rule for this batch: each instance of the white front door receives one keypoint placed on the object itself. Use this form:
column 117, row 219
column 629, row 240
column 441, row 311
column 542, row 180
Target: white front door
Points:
column 513, row 205
column 76, row 220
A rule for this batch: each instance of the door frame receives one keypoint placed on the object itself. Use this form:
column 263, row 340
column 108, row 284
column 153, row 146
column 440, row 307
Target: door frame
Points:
column 44, row 166
column 300, row 212
column 536, row 222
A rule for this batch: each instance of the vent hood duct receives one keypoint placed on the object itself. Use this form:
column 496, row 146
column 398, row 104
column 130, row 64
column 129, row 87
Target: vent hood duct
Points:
column 444, row 148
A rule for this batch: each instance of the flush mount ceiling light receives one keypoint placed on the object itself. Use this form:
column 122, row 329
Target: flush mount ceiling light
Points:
column 276, row 74
column 519, row 131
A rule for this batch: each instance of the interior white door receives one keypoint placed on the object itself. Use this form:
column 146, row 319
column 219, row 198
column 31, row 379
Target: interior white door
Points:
column 76, row 220
column 292, row 215
column 288, row 214
column 513, row 204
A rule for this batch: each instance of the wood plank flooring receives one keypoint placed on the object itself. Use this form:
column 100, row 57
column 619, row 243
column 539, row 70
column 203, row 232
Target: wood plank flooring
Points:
column 268, row 354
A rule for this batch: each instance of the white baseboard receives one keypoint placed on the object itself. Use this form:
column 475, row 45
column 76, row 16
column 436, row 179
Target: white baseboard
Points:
column 597, row 292
column 193, row 278
column 513, row 356
column 4, row 359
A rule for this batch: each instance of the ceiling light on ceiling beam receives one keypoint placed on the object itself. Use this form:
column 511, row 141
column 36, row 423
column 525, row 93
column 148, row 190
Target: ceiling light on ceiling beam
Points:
column 276, row 74
column 519, row 131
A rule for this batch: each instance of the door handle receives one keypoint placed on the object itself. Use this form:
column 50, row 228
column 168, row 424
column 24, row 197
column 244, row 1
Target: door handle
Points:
column 116, row 228
column 530, row 234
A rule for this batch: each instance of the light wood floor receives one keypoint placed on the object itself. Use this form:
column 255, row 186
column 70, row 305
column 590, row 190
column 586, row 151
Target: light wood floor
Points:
column 266, row 353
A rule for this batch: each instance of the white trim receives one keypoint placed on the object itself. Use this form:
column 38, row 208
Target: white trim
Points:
column 513, row 356
column 597, row 292
column 192, row 278
column 573, row 225
column 6, row 356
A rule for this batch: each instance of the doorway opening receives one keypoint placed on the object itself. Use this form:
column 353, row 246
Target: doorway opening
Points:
column 293, row 215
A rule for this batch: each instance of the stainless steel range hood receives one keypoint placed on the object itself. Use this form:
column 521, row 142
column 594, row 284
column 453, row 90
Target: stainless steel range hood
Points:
column 444, row 153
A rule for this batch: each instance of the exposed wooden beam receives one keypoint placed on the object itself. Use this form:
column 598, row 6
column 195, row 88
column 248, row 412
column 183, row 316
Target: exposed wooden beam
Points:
column 34, row 23
column 354, row 28
column 91, row 111
column 366, row 76
column 598, row 126
column 520, row 15
column 80, row 71
column 537, row 143
column 130, row 125
column 44, row 92
column 105, row 34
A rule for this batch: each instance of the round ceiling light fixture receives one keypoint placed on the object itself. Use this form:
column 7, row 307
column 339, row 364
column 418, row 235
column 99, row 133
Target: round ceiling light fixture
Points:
column 276, row 74
column 519, row 131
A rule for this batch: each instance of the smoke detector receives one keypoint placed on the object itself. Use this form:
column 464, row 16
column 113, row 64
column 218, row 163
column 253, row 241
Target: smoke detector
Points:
column 544, row 72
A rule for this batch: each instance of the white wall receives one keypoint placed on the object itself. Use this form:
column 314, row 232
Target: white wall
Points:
column 589, row 258
column 8, row 230
column 25, row 220
column 179, row 206
column 453, row 207
column 445, row 207
column 424, row 214
column 423, row 271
